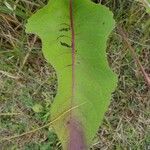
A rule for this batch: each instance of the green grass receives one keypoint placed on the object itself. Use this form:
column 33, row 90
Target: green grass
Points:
column 28, row 83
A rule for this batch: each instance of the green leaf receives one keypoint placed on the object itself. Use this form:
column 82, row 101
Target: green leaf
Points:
column 74, row 35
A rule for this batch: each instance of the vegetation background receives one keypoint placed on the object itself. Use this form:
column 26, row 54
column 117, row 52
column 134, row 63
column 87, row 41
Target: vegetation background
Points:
column 28, row 83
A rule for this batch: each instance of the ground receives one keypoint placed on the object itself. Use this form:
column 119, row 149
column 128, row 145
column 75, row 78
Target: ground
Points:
column 28, row 83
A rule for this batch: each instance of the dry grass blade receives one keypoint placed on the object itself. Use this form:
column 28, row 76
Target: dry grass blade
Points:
column 135, row 57
column 9, row 114
column 30, row 49
column 145, row 2
column 42, row 127
column 9, row 75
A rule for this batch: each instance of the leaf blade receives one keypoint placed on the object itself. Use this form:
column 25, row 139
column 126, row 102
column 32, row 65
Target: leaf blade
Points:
column 74, row 42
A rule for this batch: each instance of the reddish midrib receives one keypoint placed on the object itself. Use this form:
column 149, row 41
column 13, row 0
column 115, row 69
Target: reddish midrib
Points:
column 76, row 139
column 73, row 47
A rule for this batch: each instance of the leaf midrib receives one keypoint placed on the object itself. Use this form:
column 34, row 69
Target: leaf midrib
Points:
column 79, row 144
column 73, row 49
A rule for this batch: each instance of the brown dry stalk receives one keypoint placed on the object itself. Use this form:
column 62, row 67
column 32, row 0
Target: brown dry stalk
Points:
column 135, row 57
column 30, row 49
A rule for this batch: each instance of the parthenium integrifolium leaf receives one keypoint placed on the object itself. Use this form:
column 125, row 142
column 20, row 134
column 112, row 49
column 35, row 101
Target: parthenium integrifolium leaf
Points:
column 74, row 35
